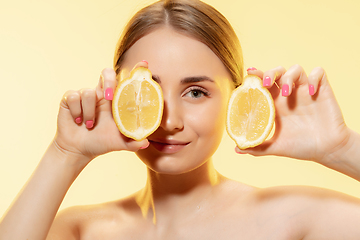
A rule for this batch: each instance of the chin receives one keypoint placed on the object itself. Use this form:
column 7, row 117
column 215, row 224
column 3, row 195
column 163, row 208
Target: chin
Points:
column 168, row 164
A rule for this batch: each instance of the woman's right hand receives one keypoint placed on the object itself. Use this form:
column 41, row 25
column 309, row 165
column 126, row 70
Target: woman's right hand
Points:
column 85, row 123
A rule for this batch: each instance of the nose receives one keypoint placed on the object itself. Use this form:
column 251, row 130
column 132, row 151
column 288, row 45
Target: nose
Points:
column 172, row 119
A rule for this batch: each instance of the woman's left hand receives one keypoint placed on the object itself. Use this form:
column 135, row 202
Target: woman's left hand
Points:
column 309, row 123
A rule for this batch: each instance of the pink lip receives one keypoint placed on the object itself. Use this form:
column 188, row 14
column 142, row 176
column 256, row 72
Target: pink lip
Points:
column 168, row 146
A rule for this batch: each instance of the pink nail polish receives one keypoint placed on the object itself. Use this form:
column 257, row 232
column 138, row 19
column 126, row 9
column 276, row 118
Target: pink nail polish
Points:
column 285, row 90
column 251, row 69
column 267, row 82
column 237, row 151
column 78, row 120
column 311, row 89
column 89, row 124
column 109, row 94
column 145, row 61
column 146, row 146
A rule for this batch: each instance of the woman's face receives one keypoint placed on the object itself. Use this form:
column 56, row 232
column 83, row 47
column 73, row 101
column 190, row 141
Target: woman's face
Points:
column 196, row 88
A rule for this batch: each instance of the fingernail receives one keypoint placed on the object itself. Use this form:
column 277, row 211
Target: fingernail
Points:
column 285, row 90
column 78, row 120
column 109, row 94
column 145, row 61
column 89, row 124
column 311, row 90
column 145, row 146
column 251, row 69
column 267, row 82
column 237, row 151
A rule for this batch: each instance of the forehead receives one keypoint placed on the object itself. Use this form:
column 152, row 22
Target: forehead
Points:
column 170, row 52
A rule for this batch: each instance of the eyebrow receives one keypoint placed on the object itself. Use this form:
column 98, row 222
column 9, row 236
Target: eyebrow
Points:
column 186, row 80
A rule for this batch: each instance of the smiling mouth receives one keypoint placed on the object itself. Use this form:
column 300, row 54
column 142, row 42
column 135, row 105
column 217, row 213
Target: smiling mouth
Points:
column 168, row 146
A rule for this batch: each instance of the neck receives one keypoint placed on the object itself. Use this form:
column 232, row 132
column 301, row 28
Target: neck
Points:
column 166, row 195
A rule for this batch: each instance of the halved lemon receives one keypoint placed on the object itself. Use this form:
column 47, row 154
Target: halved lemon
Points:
column 138, row 104
column 250, row 113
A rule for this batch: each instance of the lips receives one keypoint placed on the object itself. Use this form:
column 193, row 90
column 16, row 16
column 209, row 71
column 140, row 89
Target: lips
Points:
column 168, row 145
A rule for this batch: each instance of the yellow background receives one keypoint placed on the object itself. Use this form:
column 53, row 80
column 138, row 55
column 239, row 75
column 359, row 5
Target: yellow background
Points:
column 48, row 47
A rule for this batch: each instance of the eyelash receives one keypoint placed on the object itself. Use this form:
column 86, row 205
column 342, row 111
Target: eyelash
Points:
column 199, row 89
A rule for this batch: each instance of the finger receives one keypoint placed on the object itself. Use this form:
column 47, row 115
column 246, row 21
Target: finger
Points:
column 71, row 101
column 88, row 103
column 316, row 77
column 254, row 71
column 108, row 81
column 273, row 75
column 261, row 150
column 143, row 63
column 134, row 146
column 107, row 84
column 265, row 148
column 295, row 76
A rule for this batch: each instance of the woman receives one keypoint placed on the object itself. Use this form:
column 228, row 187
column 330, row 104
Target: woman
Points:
column 194, row 55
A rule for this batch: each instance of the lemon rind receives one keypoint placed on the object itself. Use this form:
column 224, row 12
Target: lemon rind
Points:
column 254, row 82
column 140, row 74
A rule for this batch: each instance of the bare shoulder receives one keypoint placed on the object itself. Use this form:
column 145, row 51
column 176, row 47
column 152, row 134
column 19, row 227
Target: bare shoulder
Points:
column 316, row 213
column 302, row 198
column 291, row 212
column 94, row 221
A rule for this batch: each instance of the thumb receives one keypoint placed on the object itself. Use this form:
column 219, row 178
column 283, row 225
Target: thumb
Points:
column 137, row 145
column 266, row 148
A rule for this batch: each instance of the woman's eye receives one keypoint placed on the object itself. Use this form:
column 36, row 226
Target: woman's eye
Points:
column 196, row 93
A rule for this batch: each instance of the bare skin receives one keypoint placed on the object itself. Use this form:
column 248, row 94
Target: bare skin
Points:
column 231, row 211
column 185, row 198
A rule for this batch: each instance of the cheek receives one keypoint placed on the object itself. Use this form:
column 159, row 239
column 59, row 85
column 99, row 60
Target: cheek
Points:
column 208, row 120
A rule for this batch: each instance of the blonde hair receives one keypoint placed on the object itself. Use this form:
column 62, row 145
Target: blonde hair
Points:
column 190, row 17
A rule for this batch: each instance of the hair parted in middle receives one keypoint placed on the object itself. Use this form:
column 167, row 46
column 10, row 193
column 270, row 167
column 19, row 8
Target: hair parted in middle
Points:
column 192, row 18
